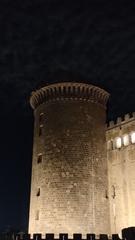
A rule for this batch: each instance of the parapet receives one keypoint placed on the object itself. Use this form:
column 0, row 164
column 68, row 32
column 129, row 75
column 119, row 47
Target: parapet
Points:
column 126, row 234
column 69, row 91
column 65, row 237
column 121, row 120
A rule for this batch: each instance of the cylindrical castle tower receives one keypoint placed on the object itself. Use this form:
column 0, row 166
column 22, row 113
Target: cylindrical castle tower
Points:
column 69, row 171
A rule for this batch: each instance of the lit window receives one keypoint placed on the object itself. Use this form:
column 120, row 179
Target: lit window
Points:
column 40, row 130
column 126, row 140
column 38, row 192
column 37, row 215
column 133, row 137
column 118, row 142
column 39, row 159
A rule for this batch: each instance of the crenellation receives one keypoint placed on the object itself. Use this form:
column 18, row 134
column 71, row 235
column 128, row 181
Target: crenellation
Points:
column 121, row 120
column 133, row 115
column 127, row 117
column 111, row 124
column 75, row 236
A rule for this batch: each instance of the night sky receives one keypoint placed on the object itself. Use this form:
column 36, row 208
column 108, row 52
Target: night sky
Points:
column 46, row 41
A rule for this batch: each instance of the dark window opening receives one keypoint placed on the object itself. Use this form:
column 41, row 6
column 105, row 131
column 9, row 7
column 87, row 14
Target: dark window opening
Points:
column 39, row 159
column 113, row 192
column 38, row 192
column 41, row 116
column 37, row 215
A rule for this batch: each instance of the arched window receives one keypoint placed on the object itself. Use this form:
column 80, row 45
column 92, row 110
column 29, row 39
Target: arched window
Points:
column 126, row 140
column 118, row 142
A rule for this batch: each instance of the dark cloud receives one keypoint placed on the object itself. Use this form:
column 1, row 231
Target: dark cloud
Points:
column 96, row 40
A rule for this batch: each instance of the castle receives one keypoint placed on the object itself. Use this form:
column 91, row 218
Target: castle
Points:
column 83, row 172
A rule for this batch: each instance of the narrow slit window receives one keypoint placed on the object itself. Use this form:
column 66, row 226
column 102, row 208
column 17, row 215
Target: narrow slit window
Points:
column 41, row 116
column 40, row 130
column 38, row 192
column 39, row 158
column 113, row 192
column 37, row 215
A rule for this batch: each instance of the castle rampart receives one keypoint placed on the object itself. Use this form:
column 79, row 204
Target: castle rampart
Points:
column 65, row 236
column 121, row 120
column 126, row 234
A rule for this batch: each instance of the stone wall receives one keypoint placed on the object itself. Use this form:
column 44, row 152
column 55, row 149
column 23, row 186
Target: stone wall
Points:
column 121, row 164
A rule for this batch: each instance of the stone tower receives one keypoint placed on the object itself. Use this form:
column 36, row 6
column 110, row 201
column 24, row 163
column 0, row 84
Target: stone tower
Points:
column 69, row 172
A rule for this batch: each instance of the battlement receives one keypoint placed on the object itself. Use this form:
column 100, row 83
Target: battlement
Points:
column 64, row 236
column 121, row 120
column 69, row 91
column 127, row 234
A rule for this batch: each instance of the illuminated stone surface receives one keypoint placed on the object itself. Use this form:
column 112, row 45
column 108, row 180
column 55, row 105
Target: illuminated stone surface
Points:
column 69, row 133
column 121, row 169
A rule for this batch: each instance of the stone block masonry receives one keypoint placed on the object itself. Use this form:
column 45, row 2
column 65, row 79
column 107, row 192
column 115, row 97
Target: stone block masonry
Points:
column 121, row 168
